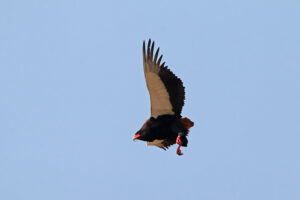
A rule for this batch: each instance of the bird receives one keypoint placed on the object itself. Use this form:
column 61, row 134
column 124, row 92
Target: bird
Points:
column 165, row 126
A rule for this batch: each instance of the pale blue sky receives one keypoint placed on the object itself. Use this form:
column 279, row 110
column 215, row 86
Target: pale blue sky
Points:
column 73, row 94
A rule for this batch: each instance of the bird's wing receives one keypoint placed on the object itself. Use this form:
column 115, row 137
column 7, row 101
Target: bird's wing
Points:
column 164, row 144
column 165, row 88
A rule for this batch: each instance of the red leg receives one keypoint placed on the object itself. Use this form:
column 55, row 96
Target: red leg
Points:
column 178, row 141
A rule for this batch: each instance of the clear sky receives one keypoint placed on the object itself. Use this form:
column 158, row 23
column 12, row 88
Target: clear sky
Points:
column 73, row 95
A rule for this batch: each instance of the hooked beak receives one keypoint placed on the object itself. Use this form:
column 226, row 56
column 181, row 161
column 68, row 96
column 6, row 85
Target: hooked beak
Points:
column 136, row 136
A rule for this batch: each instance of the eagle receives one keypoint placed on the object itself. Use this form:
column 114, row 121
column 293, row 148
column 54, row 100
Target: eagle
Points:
column 165, row 126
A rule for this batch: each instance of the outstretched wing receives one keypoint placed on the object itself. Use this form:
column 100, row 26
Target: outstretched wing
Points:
column 165, row 88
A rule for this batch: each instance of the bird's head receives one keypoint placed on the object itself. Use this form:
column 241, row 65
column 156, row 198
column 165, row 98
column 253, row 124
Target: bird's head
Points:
column 143, row 133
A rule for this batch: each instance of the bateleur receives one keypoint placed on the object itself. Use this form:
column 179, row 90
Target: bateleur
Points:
column 165, row 127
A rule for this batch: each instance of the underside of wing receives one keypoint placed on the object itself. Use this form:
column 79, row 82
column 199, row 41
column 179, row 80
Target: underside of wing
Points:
column 165, row 88
column 164, row 144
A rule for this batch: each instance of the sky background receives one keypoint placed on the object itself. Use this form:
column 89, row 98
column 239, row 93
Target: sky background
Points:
column 73, row 95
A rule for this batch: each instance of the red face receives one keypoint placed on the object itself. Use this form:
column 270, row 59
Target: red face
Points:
column 142, row 131
column 136, row 136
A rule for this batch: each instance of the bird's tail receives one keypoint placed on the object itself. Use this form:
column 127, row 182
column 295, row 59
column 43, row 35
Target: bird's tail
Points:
column 187, row 123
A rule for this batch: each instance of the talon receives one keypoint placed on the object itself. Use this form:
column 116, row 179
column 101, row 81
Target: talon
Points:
column 178, row 152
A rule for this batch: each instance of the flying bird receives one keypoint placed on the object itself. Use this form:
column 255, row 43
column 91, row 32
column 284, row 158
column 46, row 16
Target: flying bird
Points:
column 165, row 127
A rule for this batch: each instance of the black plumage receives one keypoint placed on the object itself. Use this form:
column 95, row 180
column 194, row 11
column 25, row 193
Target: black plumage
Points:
column 165, row 127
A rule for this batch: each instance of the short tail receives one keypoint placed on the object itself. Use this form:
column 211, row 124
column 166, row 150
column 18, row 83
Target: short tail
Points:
column 187, row 123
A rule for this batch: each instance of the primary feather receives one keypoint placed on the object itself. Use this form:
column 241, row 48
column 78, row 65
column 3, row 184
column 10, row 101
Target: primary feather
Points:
column 165, row 88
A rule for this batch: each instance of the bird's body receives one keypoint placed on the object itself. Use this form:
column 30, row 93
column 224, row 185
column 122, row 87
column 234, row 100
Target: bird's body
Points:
column 165, row 127
column 164, row 130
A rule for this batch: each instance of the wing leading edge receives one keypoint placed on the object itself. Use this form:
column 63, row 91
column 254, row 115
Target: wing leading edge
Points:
column 165, row 88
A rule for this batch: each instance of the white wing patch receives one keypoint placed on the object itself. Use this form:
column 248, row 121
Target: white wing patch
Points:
column 158, row 143
column 159, row 96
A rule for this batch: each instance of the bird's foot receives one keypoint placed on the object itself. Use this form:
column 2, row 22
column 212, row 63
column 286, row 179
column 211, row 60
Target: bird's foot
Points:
column 178, row 141
column 178, row 152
